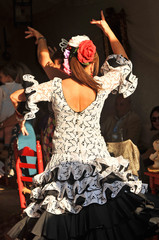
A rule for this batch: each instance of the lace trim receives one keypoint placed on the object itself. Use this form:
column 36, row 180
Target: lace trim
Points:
column 30, row 104
column 128, row 81
column 72, row 186
column 36, row 93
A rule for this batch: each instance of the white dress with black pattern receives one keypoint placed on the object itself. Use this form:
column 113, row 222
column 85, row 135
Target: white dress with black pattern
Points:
column 81, row 173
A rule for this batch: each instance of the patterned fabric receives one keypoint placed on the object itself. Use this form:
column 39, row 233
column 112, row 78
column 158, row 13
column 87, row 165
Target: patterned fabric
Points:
column 114, row 64
column 81, row 170
column 47, row 139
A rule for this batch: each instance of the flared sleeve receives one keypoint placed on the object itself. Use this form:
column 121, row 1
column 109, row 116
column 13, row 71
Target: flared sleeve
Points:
column 117, row 75
column 35, row 93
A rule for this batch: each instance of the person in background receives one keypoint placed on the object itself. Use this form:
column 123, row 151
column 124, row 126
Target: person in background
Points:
column 154, row 118
column 10, row 77
column 124, row 124
column 150, row 136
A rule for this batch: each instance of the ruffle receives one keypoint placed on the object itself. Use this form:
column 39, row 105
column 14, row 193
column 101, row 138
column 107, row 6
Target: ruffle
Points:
column 128, row 216
column 68, row 187
column 30, row 83
column 120, row 64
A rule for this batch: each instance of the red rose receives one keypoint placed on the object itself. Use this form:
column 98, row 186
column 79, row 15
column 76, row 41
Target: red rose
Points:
column 86, row 51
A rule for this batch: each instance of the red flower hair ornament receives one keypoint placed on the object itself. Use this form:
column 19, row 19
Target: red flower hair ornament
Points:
column 81, row 47
column 86, row 52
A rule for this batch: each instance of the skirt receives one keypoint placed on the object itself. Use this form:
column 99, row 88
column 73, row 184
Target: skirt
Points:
column 96, row 205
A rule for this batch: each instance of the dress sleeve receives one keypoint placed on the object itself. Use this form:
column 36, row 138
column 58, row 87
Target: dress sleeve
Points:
column 117, row 75
column 35, row 93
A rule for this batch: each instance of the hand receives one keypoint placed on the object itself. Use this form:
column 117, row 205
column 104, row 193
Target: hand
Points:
column 23, row 128
column 102, row 24
column 33, row 33
column 153, row 156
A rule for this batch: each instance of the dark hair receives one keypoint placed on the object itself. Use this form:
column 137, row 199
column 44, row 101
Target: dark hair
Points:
column 80, row 75
column 57, row 55
column 155, row 109
column 15, row 71
column 9, row 69
column 155, row 137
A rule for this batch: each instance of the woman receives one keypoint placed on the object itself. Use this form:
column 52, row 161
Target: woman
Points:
column 84, row 193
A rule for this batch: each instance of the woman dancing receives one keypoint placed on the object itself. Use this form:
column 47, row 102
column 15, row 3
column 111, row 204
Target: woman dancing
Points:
column 84, row 193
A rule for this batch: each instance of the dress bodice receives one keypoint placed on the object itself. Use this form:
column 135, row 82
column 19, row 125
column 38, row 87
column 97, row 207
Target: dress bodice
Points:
column 77, row 134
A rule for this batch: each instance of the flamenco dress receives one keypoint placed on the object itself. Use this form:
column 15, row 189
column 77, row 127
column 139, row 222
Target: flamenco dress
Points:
column 84, row 193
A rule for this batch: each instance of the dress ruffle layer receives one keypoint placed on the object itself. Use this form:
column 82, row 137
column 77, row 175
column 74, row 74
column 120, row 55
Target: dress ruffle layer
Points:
column 71, row 186
column 128, row 216
column 103, row 196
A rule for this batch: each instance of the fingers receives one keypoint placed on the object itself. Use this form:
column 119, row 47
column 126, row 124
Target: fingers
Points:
column 25, row 132
column 23, row 129
column 93, row 21
column 102, row 15
column 31, row 29
column 29, row 35
column 31, row 32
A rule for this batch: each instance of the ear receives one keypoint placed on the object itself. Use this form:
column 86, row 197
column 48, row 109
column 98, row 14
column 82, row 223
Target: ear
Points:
column 91, row 68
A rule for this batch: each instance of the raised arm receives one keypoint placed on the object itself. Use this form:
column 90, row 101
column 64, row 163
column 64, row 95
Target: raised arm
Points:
column 42, row 49
column 43, row 55
column 116, row 46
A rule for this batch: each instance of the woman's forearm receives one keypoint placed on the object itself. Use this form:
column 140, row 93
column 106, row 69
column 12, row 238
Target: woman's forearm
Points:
column 43, row 52
column 116, row 46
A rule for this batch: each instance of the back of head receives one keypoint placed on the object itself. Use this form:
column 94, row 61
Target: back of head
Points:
column 15, row 71
column 57, row 57
column 9, row 69
column 81, row 52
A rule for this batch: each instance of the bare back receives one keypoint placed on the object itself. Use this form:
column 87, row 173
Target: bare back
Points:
column 77, row 96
